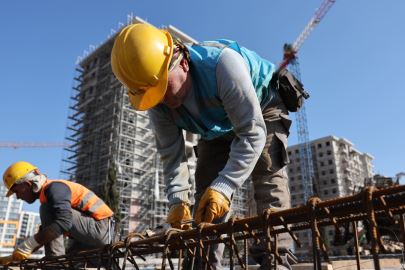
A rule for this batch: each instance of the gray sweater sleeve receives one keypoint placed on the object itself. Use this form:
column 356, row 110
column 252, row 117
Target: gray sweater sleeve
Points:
column 170, row 145
column 239, row 99
column 58, row 197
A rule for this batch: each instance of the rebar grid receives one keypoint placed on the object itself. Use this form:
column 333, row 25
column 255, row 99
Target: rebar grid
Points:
column 368, row 205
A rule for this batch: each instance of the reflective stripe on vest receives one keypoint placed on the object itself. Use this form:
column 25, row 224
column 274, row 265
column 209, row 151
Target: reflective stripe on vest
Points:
column 83, row 200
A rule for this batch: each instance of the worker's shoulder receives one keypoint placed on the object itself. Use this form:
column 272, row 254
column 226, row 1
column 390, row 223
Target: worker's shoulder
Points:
column 57, row 187
column 56, row 183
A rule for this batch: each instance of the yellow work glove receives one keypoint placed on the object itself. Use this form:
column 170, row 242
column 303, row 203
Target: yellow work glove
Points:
column 19, row 255
column 213, row 205
column 24, row 250
column 178, row 214
column 6, row 260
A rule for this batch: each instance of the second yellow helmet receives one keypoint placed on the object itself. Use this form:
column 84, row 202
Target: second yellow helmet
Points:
column 16, row 172
column 140, row 60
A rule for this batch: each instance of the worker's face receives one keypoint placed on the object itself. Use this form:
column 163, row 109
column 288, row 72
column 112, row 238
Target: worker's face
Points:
column 24, row 192
column 178, row 85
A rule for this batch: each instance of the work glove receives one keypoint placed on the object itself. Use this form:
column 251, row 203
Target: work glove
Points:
column 24, row 250
column 19, row 255
column 6, row 260
column 213, row 205
column 178, row 215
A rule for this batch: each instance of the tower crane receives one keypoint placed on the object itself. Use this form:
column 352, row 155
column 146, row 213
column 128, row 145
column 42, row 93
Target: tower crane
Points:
column 16, row 145
column 290, row 58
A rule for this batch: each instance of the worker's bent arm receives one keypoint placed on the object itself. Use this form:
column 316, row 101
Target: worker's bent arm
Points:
column 242, row 106
column 46, row 235
column 58, row 211
column 170, row 145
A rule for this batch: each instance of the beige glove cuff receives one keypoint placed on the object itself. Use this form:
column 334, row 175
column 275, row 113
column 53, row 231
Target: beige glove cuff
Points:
column 28, row 245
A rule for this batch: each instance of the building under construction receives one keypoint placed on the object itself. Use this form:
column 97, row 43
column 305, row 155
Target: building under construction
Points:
column 112, row 147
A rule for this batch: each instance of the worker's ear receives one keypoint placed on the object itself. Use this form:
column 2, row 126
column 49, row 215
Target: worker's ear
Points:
column 37, row 182
column 184, row 65
column 31, row 183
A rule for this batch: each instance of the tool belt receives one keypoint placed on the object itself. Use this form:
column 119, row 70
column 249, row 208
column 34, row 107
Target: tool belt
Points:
column 291, row 90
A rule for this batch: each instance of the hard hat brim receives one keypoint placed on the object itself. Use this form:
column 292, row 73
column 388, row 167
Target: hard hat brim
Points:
column 152, row 96
column 9, row 192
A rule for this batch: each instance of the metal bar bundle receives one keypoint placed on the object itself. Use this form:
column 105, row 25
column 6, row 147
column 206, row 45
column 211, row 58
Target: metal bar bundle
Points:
column 368, row 205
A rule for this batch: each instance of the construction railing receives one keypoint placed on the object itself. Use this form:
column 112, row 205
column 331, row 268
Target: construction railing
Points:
column 170, row 244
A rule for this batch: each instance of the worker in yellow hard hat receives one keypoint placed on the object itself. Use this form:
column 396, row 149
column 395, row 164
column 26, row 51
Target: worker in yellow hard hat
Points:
column 228, row 95
column 66, row 208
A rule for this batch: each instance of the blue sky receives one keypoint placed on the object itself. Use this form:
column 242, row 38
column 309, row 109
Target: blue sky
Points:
column 352, row 64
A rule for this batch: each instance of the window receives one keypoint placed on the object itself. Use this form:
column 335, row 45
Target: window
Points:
column 325, row 192
column 319, row 145
column 329, row 152
column 334, row 191
column 330, row 162
column 323, row 173
column 289, row 153
column 297, row 151
column 320, row 154
column 292, row 179
column 327, row 143
column 322, row 164
column 331, row 171
column 333, row 181
column 291, row 170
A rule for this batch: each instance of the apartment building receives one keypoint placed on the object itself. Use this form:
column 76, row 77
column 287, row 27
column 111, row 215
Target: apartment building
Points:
column 28, row 226
column 29, row 223
column 10, row 209
column 339, row 170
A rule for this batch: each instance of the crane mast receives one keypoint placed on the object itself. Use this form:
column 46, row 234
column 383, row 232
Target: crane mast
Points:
column 290, row 59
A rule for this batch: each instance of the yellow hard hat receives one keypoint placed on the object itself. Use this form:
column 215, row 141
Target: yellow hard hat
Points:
column 17, row 172
column 140, row 60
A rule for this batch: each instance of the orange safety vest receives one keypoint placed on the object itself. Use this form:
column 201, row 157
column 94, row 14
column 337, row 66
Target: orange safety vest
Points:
column 83, row 200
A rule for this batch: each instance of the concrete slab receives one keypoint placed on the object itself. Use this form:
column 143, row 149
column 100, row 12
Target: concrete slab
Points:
column 310, row 266
column 386, row 263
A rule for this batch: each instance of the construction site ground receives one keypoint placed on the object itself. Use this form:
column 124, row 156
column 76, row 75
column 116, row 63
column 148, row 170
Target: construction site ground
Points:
column 386, row 264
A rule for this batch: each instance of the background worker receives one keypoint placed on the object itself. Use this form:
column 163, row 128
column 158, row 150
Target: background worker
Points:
column 66, row 208
column 220, row 91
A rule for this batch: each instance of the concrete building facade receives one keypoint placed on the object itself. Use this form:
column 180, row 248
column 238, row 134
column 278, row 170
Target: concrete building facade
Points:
column 28, row 226
column 10, row 209
column 339, row 170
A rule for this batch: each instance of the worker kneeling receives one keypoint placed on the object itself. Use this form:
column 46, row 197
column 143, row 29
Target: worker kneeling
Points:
column 67, row 208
